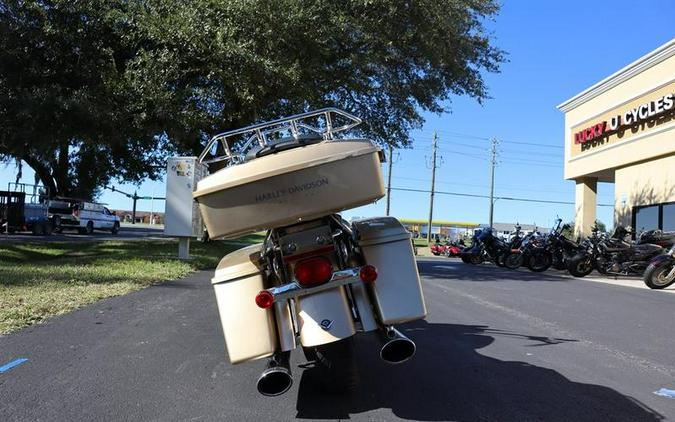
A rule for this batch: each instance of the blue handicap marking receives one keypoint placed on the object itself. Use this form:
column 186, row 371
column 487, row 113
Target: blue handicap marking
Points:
column 16, row 362
column 665, row 393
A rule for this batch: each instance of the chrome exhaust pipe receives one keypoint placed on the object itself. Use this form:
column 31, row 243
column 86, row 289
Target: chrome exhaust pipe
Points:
column 276, row 379
column 397, row 348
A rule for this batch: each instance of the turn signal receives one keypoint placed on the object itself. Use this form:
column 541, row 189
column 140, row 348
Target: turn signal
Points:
column 264, row 299
column 313, row 271
column 368, row 274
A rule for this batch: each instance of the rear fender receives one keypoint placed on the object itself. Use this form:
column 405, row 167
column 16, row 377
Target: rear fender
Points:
column 324, row 317
column 661, row 259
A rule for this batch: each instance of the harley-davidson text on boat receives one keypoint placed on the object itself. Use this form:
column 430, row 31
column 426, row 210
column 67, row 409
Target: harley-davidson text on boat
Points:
column 316, row 280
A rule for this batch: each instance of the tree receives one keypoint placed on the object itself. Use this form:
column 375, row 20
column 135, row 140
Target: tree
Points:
column 96, row 90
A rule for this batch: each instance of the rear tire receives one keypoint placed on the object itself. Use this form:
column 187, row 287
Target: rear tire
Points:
column 580, row 266
column 539, row 262
column 38, row 229
column 513, row 260
column 336, row 364
column 476, row 259
column 56, row 224
column 90, row 228
column 654, row 276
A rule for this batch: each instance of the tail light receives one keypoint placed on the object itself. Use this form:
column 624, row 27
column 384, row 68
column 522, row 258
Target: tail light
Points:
column 368, row 274
column 313, row 271
column 264, row 299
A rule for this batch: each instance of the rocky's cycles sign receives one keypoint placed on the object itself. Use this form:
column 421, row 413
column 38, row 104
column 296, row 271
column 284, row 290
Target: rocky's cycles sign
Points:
column 588, row 136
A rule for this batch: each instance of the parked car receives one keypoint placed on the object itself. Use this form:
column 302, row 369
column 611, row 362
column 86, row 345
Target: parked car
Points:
column 85, row 217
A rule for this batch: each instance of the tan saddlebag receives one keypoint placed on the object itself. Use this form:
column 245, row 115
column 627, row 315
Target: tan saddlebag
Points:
column 397, row 292
column 250, row 331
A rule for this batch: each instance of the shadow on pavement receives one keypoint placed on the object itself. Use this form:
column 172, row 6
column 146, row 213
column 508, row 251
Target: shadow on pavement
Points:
column 457, row 270
column 449, row 379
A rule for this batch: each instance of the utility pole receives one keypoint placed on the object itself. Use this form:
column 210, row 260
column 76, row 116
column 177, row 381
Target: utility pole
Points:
column 433, row 184
column 391, row 163
column 133, row 211
column 493, row 163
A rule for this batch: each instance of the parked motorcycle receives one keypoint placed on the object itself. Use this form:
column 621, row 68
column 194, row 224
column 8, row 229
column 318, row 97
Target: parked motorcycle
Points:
column 532, row 253
column 438, row 248
column 561, row 248
column 453, row 250
column 660, row 272
column 613, row 255
column 485, row 247
column 316, row 280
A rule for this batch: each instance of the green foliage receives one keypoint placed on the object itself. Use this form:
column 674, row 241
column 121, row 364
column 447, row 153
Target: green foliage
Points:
column 98, row 89
column 600, row 226
column 568, row 230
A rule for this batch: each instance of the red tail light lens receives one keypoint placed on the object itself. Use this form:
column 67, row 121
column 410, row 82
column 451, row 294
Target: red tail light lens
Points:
column 313, row 271
column 264, row 299
column 368, row 274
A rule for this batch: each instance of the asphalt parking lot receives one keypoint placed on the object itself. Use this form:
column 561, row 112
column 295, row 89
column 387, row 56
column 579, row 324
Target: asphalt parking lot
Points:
column 497, row 345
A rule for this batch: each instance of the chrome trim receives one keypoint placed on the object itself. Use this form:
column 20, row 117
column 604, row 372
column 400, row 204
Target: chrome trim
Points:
column 258, row 133
column 293, row 289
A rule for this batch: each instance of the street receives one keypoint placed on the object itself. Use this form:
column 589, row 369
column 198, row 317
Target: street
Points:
column 497, row 345
column 127, row 232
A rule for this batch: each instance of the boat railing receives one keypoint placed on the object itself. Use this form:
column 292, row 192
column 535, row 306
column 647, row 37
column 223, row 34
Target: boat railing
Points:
column 232, row 146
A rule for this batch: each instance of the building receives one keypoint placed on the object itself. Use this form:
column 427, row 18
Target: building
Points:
column 142, row 217
column 622, row 131
column 439, row 228
column 507, row 229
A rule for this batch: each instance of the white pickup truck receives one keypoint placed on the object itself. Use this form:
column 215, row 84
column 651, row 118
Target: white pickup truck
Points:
column 81, row 215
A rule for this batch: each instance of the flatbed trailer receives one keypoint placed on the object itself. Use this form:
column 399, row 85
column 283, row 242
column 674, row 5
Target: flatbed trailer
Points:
column 22, row 211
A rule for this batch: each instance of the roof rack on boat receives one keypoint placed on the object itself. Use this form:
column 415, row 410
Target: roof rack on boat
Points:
column 233, row 145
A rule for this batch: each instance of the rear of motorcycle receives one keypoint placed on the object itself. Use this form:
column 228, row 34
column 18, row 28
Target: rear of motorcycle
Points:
column 315, row 285
column 316, row 281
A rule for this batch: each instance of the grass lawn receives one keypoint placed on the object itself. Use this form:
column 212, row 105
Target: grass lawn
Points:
column 421, row 242
column 39, row 280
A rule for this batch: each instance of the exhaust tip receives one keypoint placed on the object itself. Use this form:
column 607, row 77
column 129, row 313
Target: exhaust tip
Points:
column 275, row 381
column 398, row 350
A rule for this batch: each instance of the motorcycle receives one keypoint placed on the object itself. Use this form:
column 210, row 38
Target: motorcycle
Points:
column 316, row 280
column 533, row 252
column 453, row 250
column 485, row 247
column 613, row 255
column 660, row 272
column 438, row 248
column 561, row 248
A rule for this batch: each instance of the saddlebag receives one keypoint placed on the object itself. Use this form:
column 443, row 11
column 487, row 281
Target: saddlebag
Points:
column 397, row 293
column 250, row 331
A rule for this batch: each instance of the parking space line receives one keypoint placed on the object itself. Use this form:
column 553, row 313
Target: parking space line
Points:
column 16, row 362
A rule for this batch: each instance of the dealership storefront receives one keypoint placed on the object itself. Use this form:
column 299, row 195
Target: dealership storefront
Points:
column 622, row 131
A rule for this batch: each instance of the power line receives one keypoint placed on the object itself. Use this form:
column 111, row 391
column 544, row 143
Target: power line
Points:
column 505, row 198
column 506, row 141
column 506, row 187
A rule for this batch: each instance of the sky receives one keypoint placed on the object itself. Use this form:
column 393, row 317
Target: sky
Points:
column 555, row 50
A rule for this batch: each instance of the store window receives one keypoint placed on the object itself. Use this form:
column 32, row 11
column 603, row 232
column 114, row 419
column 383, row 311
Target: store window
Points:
column 669, row 217
column 646, row 218
column 659, row 216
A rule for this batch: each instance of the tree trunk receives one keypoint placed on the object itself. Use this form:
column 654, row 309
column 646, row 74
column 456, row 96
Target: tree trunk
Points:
column 44, row 174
